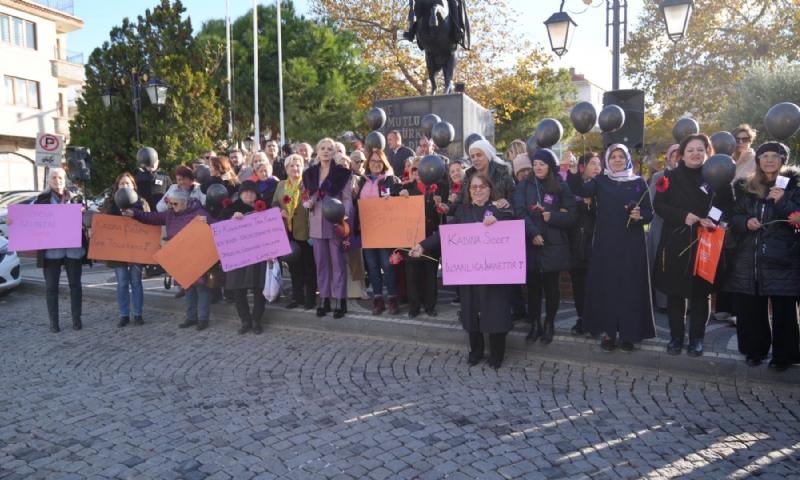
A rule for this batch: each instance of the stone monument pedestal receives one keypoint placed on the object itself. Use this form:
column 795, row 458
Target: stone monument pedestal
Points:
column 465, row 114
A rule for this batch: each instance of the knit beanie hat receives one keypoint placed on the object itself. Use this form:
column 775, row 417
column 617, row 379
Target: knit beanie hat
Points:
column 486, row 147
column 522, row 161
column 776, row 147
column 547, row 156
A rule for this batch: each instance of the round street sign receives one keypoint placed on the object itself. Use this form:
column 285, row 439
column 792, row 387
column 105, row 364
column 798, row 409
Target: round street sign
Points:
column 49, row 143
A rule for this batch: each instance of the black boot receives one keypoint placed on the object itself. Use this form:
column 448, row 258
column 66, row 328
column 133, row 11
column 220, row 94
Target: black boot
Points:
column 549, row 330
column 341, row 308
column 536, row 330
column 54, row 326
column 138, row 320
column 123, row 321
column 327, row 305
column 77, row 324
column 578, row 328
column 246, row 326
column 257, row 327
column 323, row 302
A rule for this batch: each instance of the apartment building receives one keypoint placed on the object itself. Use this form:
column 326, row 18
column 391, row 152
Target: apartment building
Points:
column 38, row 73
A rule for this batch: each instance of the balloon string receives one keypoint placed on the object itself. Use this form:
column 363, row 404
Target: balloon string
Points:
column 583, row 137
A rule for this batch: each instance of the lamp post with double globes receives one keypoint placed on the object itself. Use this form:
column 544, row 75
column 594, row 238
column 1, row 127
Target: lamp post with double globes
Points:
column 561, row 27
column 138, row 78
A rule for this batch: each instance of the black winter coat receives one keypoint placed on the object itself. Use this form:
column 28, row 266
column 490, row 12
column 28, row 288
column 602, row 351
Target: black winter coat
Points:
column 674, row 273
column 73, row 196
column 582, row 233
column 484, row 308
column 152, row 186
column 529, row 197
column 251, row 276
column 766, row 262
column 501, row 178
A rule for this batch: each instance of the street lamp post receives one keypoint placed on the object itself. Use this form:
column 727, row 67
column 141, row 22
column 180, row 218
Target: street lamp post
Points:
column 676, row 15
column 139, row 78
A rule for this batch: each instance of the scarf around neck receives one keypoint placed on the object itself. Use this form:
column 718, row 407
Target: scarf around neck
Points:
column 626, row 175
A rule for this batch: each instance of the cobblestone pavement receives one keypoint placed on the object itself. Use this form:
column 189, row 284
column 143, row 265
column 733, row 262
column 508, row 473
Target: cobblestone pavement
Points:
column 163, row 403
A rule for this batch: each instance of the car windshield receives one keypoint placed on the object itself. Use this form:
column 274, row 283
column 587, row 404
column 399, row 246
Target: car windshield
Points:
column 14, row 199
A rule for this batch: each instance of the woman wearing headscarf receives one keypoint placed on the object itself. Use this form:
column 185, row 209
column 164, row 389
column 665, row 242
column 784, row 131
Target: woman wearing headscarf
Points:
column 421, row 273
column 485, row 160
column 289, row 198
column 685, row 201
column 184, row 210
column 766, row 260
column 581, row 235
column 618, row 268
column 654, row 236
column 252, row 277
column 322, row 181
column 485, row 309
column 548, row 207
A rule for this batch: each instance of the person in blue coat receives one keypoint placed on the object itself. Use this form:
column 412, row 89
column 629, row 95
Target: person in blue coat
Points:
column 618, row 299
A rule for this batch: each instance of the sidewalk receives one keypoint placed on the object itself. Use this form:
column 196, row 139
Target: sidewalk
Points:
column 720, row 362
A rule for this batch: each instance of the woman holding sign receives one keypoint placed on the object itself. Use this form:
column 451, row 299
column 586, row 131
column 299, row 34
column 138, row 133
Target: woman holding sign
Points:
column 184, row 210
column 766, row 259
column 484, row 308
column 686, row 201
column 618, row 264
column 251, row 277
column 322, row 181
column 303, row 269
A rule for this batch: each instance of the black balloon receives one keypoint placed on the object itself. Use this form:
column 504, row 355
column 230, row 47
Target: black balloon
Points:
column 202, row 174
column 375, row 141
column 87, row 217
column 215, row 194
column 295, row 255
column 783, row 121
column 443, row 134
column 531, row 146
column 719, row 170
column 611, row 118
column 146, row 157
column 376, row 118
column 685, row 127
column 125, row 198
column 723, row 142
column 549, row 132
column 428, row 121
column 333, row 210
column 430, row 169
column 583, row 117
column 471, row 138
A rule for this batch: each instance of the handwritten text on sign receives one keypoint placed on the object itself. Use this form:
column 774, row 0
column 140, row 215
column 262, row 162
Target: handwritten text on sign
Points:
column 253, row 239
column 473, row 254
column 39, row 227
column 392, row 222
column 123, row 239
column 189, row 254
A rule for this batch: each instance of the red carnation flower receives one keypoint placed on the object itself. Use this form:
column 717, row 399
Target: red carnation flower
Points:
column 456, row 187
column 395, row 258
column 662, row 184
column 260, row 206
column 287, row 200
column 794, row 219
column 581, row 168
column 432, row 189
column 226, row 202
column 441, row 209
column 406, row 174
column 305, row 195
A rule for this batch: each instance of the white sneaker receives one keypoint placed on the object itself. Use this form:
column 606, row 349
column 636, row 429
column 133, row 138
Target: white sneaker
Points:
column 722, row 316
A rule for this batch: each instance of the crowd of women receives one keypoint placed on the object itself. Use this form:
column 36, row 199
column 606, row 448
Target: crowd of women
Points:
column 592, row 221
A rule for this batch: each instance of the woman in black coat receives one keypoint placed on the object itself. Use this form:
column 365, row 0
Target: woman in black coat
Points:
column 484, row 308
column 544, row 201
column 618, row 265
column 685, row 201
column 422, row 285
column 251, row 277
column 766, row 260
column 581, row 235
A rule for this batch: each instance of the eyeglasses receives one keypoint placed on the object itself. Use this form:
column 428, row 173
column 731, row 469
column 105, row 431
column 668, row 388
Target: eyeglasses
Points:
column 174, row 204
column 475, row 188
column 743, row 140
column 208, row 157
column 770, row 156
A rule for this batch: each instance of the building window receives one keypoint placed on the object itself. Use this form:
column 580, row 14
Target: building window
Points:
column 17, row 31
column 21, row 92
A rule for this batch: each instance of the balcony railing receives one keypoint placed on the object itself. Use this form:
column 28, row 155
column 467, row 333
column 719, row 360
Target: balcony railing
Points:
column 68, row 56
column 65, row 6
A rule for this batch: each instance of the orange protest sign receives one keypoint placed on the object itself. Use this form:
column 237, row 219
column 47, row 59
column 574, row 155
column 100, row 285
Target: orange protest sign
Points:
column 189, row 254
column 392, row 222
column 123, row 239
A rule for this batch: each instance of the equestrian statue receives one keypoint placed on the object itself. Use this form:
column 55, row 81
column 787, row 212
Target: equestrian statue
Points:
column 439, row 26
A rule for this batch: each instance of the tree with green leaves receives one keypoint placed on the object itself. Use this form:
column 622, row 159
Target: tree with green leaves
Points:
column 327, row 83
column 192, row 119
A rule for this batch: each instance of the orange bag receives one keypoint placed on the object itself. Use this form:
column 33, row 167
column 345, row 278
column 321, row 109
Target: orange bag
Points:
column 708, row 252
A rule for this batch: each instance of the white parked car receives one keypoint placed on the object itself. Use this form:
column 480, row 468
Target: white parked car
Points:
column 10, row 275
column 13, row 198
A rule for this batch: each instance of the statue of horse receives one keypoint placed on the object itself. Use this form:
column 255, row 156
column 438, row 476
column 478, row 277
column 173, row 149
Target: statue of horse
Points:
column 439, row 26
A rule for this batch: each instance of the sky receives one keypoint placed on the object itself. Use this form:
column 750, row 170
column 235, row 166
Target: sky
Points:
column 588, row 55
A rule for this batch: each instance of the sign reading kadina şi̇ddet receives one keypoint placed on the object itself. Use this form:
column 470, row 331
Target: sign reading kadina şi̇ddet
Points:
column 467, row 117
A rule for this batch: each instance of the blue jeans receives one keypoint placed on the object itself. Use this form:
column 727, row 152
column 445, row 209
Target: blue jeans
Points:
column 377, row 259
column 198, row 297
column 129, row 277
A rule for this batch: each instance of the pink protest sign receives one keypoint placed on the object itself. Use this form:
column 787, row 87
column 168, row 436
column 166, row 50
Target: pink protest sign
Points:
column 39, row 227
column 255, row 238
column 473, row 254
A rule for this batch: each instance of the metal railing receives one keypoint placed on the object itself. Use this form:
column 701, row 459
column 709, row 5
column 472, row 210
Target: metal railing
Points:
column 68, row 56
column 66, row 6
